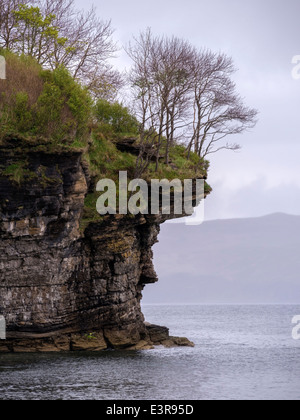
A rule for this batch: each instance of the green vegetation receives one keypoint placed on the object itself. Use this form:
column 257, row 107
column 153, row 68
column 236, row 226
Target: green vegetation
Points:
column 37, row 102
column 91, row 336
column 115, row 118
column 47, row 111
column 17, row 172
column 36, row 31
column 105, row 161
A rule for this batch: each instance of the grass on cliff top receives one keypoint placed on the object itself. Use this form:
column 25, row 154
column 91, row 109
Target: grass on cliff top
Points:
column 105, row 161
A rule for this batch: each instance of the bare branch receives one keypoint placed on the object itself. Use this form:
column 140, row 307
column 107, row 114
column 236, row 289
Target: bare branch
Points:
column 82, row 43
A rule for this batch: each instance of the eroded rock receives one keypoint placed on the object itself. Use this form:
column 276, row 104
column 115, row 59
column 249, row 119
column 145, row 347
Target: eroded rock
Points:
column 61, row 290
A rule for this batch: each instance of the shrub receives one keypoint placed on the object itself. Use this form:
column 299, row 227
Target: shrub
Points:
column 116, row 118
column 42, row 102
column 23, row 114
column 64, row 107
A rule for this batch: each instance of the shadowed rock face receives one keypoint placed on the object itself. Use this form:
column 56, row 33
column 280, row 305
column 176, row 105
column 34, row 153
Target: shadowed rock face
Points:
column 61, row 290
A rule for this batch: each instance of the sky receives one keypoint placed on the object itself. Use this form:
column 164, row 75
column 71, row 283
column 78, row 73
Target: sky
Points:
column 240, row 261
column 262, row 37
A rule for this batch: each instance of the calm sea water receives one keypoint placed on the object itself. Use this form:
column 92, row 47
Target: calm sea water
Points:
column 242, row 352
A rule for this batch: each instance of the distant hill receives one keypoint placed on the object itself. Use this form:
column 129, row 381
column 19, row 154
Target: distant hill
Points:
column 229, row 261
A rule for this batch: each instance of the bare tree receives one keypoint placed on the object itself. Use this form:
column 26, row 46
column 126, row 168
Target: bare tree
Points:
column 218, row 111
column 8, row 22
column 56, row 33
column 173, row 79
column 89, row 40
column 185, row 93
column 161, row 84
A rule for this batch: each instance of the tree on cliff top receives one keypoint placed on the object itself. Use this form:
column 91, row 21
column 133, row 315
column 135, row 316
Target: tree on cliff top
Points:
column 56, row 34
column 181, row 92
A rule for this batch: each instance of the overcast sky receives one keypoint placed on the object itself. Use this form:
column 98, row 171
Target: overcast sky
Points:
column 262, row 36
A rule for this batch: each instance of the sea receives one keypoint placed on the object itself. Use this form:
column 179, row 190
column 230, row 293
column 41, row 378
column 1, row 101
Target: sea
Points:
column 241, row 353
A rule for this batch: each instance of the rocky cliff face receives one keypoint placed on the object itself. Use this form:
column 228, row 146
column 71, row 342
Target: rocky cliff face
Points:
column 60, row 289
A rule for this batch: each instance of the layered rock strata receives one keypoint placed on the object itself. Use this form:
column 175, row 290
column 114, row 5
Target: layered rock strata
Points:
column 61, row 289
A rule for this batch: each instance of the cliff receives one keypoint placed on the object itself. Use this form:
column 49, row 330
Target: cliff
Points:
column 63, row 288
